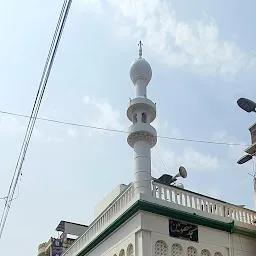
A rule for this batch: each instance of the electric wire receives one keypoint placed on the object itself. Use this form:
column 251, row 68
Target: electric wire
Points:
column 160, row 158
column 122, row 131
column 32, row 118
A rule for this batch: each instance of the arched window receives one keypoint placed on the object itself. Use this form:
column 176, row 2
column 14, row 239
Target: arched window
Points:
column 217, row 254
column 122, row 253
column 205, row 252
column 143, row 118
column 161, row 248
column 134, row 118
column 177, row 250
column 130, row 251
column 191, row 251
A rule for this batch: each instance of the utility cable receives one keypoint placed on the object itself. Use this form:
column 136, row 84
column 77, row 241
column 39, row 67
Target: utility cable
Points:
column 160, row 158
column 37, row 103
column 122, row 131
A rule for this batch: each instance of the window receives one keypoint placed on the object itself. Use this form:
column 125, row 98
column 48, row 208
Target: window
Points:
column 122, row 253
column 134, row 118
column 143, row 118
column 161, row 248
column 191, row 251
column 130, row 251
column 177, row 250
column 205, row 252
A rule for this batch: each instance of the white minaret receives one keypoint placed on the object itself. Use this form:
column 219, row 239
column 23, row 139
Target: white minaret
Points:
column 142, row 136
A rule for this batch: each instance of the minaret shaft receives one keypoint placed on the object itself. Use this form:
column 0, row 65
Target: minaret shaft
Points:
column 142, row 167
column 141, row 88
column 141, row 135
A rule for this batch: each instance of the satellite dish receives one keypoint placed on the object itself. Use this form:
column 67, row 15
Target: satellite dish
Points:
column 244, row 159
column 182, row 173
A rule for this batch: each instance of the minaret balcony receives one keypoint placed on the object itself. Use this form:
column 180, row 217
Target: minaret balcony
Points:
column 141, row 104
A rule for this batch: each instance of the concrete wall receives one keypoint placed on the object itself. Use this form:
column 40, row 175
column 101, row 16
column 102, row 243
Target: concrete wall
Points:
column 212, row 240
column 119, row 240
column 144, row 230
column 108, row 199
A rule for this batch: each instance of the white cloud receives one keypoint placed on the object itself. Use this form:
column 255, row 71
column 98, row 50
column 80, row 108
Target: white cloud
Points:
column 91, row 6
column 72, row 132
column 11, row 125
column 189, row 158
column 235, row 151
column 103, row 114
column 196, row 44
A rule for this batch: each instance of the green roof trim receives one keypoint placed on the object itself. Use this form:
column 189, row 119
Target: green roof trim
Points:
column 245, row 232
column 111, row 228
column 185, row 216
column 146, row 206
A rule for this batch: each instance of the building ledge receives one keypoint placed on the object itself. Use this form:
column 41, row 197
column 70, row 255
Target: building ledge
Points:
column 168, row 201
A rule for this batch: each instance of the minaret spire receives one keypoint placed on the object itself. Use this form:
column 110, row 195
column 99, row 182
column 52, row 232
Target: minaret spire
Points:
column 141, row 135
column 140, row 49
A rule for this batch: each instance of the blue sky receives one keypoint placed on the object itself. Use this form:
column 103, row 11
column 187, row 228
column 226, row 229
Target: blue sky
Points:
column 203, row 60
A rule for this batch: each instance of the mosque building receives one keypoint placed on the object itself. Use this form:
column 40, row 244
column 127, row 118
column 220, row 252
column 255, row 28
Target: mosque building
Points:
column 156, row 216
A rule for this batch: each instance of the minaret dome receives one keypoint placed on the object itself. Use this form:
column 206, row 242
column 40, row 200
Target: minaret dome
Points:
column 140, row 69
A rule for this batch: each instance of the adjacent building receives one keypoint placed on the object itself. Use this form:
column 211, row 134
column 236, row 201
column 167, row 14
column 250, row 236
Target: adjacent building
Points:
column 57, row 246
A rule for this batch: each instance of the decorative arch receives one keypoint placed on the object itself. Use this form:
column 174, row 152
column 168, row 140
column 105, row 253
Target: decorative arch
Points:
column 143, row 117
column 191, row 251
column 176, row 250
column 134, row 118
column 205, row 252
column 130, row 250
column 122, row 253
column 161, row 248
column 218, row 254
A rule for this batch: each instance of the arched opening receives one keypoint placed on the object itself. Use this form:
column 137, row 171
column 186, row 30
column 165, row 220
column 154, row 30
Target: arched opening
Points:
column 205, row 252
column 130, row 251
column 134, row 118
column 191, row 251
column 161, row 248
column 122, row 253
column 176, row 250
column 143, row 118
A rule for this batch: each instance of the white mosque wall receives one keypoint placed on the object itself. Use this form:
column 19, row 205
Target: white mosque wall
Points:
column 108, row 199
column 121, row 241
column 211, row 242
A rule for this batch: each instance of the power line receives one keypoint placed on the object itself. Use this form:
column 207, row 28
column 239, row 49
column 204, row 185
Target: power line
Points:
column 37, row 103
column 160, row 158
column 122, row 131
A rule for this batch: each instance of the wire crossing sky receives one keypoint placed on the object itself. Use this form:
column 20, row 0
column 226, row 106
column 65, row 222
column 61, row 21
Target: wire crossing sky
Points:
column 35, row 110
column 121, row 131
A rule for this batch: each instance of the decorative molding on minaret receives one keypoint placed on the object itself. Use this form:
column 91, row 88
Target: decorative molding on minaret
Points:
column 141, row 135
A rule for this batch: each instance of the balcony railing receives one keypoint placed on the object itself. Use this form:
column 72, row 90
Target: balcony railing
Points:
column 171, row 194
column 117, row 207
column 203, row 203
